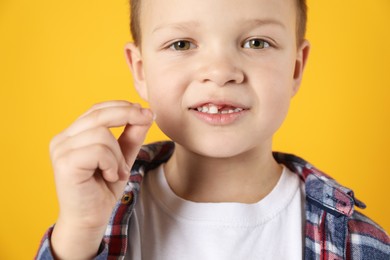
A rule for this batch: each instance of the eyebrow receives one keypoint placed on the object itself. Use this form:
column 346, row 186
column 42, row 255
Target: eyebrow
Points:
column 181, row 26
column 263, row 22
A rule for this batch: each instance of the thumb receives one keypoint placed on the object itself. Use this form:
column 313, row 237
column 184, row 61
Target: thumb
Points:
column 131, row 140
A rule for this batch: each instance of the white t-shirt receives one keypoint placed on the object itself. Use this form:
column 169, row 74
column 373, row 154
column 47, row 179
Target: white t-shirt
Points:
column 165, row 226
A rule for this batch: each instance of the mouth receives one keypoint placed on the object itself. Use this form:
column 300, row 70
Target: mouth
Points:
column 214, row 109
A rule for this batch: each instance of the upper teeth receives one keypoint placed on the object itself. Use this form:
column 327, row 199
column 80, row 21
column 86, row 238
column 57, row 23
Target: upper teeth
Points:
column 213, row 109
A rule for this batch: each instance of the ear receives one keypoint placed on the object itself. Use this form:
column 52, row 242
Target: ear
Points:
column 134, row 61
column 300, row 62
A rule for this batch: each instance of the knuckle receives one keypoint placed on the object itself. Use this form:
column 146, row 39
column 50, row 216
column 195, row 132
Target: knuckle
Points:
column 54, row 142
column 97, row 118
column 102, row 133
column 52, row 145
column 62, row 162
column 102, row 150
column 96, row 106
column 96, row 115
column 54, row 154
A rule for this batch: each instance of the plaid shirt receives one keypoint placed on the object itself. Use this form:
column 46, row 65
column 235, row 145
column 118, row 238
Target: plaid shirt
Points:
column 334, row 230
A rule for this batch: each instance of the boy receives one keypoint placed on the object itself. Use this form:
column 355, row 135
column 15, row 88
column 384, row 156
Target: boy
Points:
column 219, row 76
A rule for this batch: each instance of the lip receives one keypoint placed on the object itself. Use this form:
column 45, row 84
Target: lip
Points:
column 219, row 119
column 219, row 103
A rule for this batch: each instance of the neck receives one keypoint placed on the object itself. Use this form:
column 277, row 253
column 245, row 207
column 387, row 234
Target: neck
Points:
column 245, row 178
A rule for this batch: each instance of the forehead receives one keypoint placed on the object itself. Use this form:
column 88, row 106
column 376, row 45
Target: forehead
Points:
column 157, row 13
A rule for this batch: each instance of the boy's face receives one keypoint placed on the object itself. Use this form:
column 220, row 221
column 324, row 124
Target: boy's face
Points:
column 236, row 59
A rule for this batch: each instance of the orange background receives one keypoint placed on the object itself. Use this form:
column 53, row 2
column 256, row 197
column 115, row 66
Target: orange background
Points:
column 57, row 58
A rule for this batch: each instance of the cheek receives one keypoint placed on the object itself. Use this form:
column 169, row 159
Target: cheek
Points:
column 273, row 87
column 164, row 82
column 166, row 86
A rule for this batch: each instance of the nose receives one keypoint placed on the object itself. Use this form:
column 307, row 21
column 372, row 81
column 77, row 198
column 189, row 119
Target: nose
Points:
column 221, row 69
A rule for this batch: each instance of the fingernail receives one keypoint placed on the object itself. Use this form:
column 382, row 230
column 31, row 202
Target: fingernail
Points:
column 146, row 112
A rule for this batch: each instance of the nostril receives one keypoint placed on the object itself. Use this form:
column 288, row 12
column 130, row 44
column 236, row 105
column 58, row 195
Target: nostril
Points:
column 222, row 73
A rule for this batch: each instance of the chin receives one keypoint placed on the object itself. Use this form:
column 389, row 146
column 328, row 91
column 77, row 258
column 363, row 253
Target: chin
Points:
column 217, row 149
column 217, row 142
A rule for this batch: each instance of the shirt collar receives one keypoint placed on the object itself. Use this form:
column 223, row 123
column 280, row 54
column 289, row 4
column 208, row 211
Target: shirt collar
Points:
column 320, row 188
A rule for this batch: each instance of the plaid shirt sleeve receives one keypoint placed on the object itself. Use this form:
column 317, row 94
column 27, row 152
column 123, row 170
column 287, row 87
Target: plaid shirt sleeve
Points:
column 366, row 239
column 45, row 252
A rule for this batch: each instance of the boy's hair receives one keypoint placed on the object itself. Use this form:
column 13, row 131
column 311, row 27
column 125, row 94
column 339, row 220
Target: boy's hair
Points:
column 135, row 9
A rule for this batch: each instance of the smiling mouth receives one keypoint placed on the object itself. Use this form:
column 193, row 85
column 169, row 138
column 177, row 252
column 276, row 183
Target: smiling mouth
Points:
column 218, row 109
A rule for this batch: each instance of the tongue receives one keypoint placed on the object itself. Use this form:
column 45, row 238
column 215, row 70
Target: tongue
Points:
column 225, row 108
column 222, row 107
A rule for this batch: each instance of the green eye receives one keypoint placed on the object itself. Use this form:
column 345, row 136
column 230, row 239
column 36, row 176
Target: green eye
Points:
column 256, row 44
column 182, row 45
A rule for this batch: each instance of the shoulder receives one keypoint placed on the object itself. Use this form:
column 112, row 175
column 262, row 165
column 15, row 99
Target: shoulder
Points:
column 331, row 208
column 365, row 237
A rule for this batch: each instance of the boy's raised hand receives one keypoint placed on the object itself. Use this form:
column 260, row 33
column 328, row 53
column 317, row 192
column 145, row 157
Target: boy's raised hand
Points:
column 91, row 170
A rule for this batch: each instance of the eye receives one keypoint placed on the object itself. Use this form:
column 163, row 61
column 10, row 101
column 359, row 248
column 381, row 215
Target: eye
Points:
column 182, row 45
column 256, row 44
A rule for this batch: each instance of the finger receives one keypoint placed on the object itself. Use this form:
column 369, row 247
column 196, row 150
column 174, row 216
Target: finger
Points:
column 131, row 141
column 111, row 117
column 100, row 135
column 113, row 103
column 85, row 161
column 116, row 103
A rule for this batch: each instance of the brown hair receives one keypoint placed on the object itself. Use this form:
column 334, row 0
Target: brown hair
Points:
column 135, row 8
